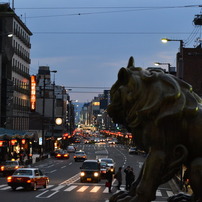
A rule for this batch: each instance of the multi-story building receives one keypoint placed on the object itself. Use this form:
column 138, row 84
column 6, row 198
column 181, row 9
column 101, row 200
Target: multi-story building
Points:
column 51, row 104
column 14, row 70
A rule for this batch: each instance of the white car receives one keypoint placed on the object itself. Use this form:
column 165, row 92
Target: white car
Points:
column 71, row 149
column 109, row 161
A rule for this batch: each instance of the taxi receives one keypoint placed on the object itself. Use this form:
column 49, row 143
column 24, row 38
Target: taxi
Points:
column 28, row 178
column 62, row 154
column 10, row 166
column 80, row 156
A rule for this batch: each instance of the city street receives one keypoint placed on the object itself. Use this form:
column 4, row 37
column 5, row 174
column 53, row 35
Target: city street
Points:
column 65, row 182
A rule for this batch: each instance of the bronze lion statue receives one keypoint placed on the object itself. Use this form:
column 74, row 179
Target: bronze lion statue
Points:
column 164, row 116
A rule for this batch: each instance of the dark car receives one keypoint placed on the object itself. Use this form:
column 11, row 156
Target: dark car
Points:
column 80, row 156
column 103, row 169
column 133, row 150
column 29, row 178
column 90, row 171
column 62, row 154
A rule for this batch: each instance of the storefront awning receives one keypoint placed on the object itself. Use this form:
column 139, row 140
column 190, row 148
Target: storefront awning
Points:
column 7, row 134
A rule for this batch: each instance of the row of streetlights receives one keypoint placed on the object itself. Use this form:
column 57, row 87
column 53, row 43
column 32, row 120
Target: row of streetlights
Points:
column 165, row 40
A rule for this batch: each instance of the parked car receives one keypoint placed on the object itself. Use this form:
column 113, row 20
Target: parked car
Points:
column 80, row 156
column 9, row 167
column 133, row 150
column 109, row 161
column 62, row 154
column 71, row 149
column 28, row 178
column 90, row 171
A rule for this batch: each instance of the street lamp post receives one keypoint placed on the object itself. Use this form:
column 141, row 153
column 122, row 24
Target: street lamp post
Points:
column 53, row 108
column 180, row 61
column 164, row 63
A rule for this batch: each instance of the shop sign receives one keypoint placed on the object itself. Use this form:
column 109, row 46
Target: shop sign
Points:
column 33, row 94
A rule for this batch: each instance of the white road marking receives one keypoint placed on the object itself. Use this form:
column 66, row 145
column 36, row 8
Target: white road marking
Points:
column 63, row 167
column 53, row 171
column 58, row 188
column 170, row 193
column 82, row 189
column 106, row 190
column 158, row 193
column 5, row 188
column 95, row 189
column 70, row 188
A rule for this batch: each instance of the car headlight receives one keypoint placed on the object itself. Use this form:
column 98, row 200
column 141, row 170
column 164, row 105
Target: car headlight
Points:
column 82, row 174
column 96, row 174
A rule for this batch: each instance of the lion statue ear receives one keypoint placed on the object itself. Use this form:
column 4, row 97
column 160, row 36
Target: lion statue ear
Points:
column 131, row 62
column 123, row 76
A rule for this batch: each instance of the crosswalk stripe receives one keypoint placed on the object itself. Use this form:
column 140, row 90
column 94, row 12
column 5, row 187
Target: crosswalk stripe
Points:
column 3, row 185
column 82, row 189
column 95, row 189
column 70, row 188
column 5, row 188
column 158, row 193
column 169, row 193
column 58, row 188
column 106, row 190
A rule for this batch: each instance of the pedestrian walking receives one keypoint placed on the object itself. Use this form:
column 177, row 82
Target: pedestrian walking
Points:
column 126, row 171
column 109, row 177
column 131, row 178
column 118, row 177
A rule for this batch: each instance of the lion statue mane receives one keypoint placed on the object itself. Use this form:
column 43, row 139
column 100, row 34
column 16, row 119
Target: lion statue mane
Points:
column 164, row 116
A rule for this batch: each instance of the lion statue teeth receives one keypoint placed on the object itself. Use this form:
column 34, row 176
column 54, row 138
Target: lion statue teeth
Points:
column 164, row 115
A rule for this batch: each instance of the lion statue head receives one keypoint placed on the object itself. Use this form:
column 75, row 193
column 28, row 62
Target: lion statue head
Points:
column 150, row 94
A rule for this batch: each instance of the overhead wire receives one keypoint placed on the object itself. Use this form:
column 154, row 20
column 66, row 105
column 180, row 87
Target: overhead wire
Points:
column 131, row 9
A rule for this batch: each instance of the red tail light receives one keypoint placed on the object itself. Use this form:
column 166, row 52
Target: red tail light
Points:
column 58, row 155
column 9, row 179
column 2, row 168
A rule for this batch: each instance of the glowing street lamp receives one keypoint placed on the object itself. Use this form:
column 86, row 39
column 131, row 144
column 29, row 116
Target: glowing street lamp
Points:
column 165, row 40
column 163, row 63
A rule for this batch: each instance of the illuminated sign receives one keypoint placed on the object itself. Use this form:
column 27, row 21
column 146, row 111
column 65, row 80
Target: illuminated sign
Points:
column 96, row 103
column 13, row 142
column 33, row 94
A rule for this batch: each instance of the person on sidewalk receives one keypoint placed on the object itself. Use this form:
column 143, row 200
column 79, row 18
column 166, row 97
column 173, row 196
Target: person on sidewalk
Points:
column 118, row 177
column 131, row 178
column 109, row 177
column 126, row 171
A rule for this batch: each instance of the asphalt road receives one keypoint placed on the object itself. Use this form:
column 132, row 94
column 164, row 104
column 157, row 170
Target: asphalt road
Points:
column 64, row 178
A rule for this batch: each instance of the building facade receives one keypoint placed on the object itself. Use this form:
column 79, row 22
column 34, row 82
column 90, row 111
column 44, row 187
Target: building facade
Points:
column 14, row 70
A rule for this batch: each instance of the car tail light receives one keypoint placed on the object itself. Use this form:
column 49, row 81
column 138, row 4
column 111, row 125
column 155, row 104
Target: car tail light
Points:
column 16, row 167
column 2, row 168
column 74, row 156
column 9, row 179
column 66, row 155
column 29, row 181
column 58, row 155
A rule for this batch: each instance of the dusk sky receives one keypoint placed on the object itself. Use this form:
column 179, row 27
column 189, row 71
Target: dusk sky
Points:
column 88, row 41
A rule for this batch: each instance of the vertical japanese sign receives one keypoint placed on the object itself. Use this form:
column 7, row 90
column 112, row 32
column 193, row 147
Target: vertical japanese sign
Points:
column 33, row 94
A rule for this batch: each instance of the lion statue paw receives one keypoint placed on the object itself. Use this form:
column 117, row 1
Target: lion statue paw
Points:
column 121, row 196
column 180, row 197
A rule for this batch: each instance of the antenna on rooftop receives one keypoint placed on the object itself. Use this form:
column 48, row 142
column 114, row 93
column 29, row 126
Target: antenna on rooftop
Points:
column 13, row 8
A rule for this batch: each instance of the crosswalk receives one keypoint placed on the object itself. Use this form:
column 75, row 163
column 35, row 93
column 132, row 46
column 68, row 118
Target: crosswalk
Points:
column 91, row 188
